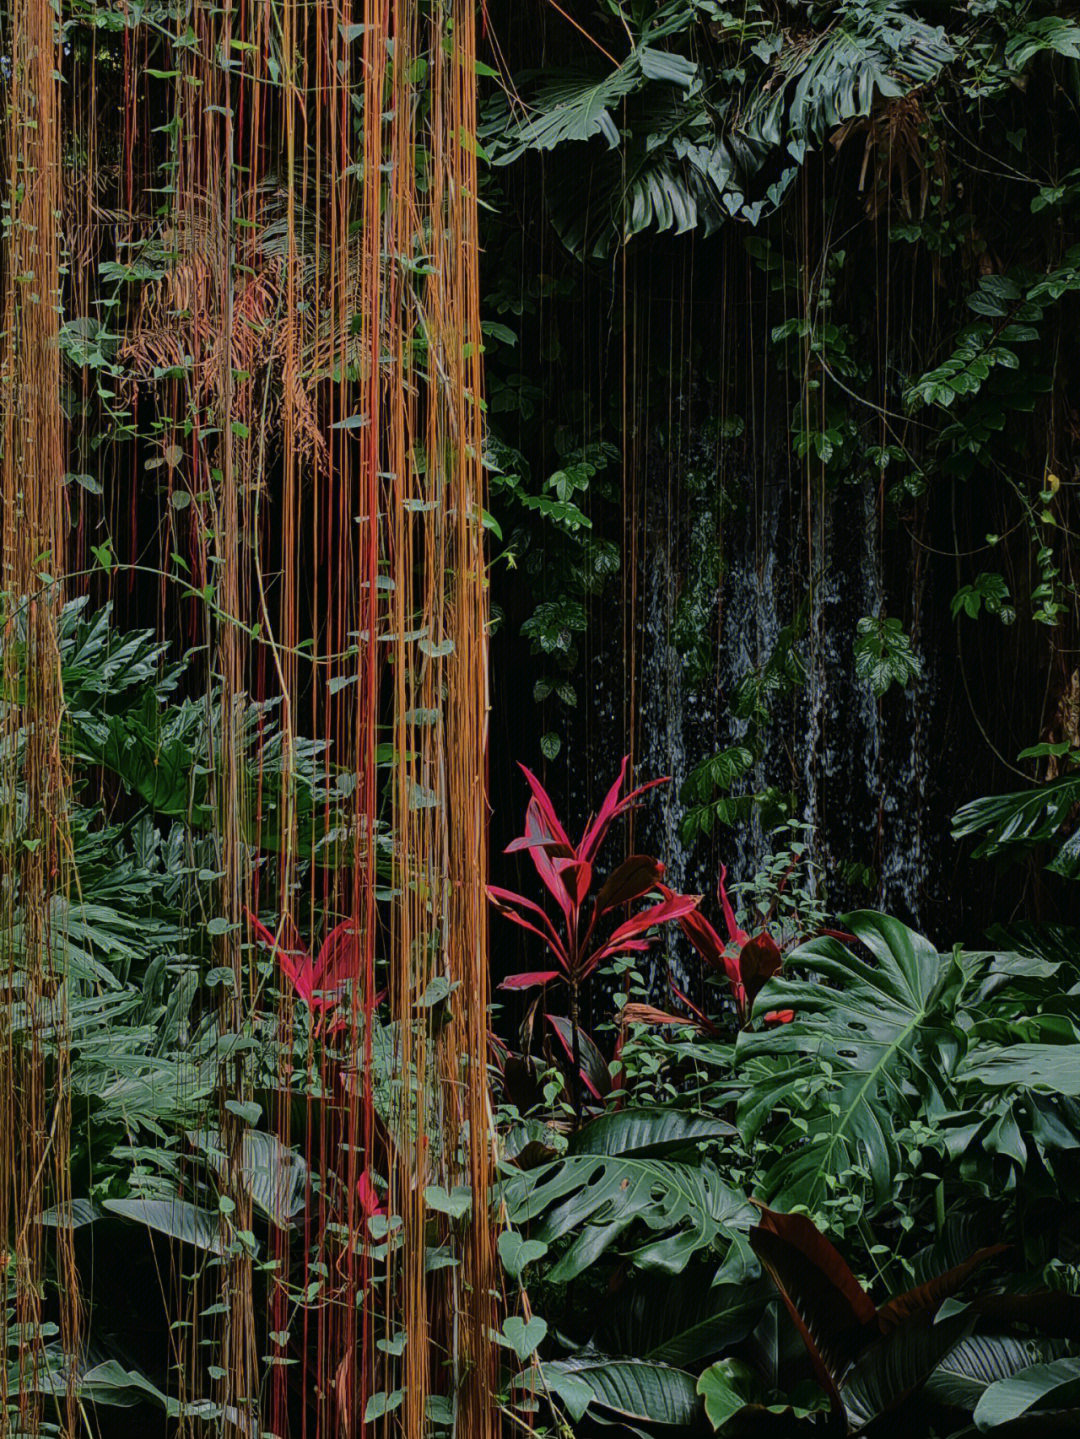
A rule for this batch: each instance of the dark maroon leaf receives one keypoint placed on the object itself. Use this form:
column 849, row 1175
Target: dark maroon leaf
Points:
column 576, row 876
column 595, row 1074
column 759, row 960
column 633, row 878
column 832, row 1311
column 927, row 1298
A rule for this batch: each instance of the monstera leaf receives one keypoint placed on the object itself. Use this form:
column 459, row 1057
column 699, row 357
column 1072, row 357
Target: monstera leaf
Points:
column 872, row 51
column 862, row 1044
column 600, row 1195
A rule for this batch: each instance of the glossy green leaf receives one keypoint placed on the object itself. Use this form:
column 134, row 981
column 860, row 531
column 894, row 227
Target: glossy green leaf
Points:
column 1043, row 1386
column 861, row 1039
column 599, row 1198
column 635, row 1389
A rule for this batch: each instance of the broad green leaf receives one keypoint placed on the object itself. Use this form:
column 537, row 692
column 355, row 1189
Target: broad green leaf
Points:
column 1046, row 1067
column 647, row 1131
column 523, row 1337
column 1043, row 1386
column 455, row 1202
column 72, row 1215
column 634, row 1389
column 727, row 1387
column 275, row 1177
column 681, row 1319
column 517, row 1253
column 174, row 1217
column 978, row 1361
column 570, row 106
column 598, row 1198
column 896, row 1365
column 861, row 1039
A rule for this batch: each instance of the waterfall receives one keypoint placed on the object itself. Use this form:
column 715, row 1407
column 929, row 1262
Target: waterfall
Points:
column 856, row 765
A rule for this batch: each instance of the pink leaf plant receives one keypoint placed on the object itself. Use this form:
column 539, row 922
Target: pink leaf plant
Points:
column 317, row 981
column 748, row 960
column 567, row 872
column 581, row 941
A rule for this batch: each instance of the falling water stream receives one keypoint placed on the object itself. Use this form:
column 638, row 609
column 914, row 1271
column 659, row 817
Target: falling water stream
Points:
column 857, row 765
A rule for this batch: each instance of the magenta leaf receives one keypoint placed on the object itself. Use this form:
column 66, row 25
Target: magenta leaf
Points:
column 339, row 958
column 546, row 841
column 531, row 979
column 594, row 835
column 547, row 809
column 735, row 934
column 505, row 901
column 673, row 908
column 535, row 828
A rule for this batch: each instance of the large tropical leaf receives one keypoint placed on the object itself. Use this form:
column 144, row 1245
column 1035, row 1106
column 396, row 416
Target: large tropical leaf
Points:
column 861, row 1044
column 175, row 1218
column 1050, row 1068
column 647, row 1131
column 599, row 1198
column 682, row 1319
column 1014, row 823
column 978, row 1361
column 1043, row 1387
column 867, row 1360
column 896, row 1365
column 833, row 1313
column 872, row 51
column 635, row 1390
column 570, row 106
column 275, row 1177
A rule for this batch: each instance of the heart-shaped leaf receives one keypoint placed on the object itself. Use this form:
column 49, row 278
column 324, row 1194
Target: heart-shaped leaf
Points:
column 516, row 1252
column 523, row 1337
column 455, row 1202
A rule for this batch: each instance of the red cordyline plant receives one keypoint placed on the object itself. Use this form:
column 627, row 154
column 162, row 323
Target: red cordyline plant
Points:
column 566, row 869
column 317, row 980
column 748, row 961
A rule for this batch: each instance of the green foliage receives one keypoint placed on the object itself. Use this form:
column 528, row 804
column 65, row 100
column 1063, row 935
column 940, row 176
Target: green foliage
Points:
column 626, row 1391
column 865, row 1046
column 1012, row 825
column 688, row 147
column 989, row 592
column 1033, row 1391
column 752, row 704
column 884, row 655
column 684, row 1205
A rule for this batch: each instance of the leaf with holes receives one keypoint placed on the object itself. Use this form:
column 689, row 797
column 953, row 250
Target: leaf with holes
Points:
column 861, row 1045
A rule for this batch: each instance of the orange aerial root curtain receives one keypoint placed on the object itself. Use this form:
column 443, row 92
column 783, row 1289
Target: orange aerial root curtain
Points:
column 268, row 210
